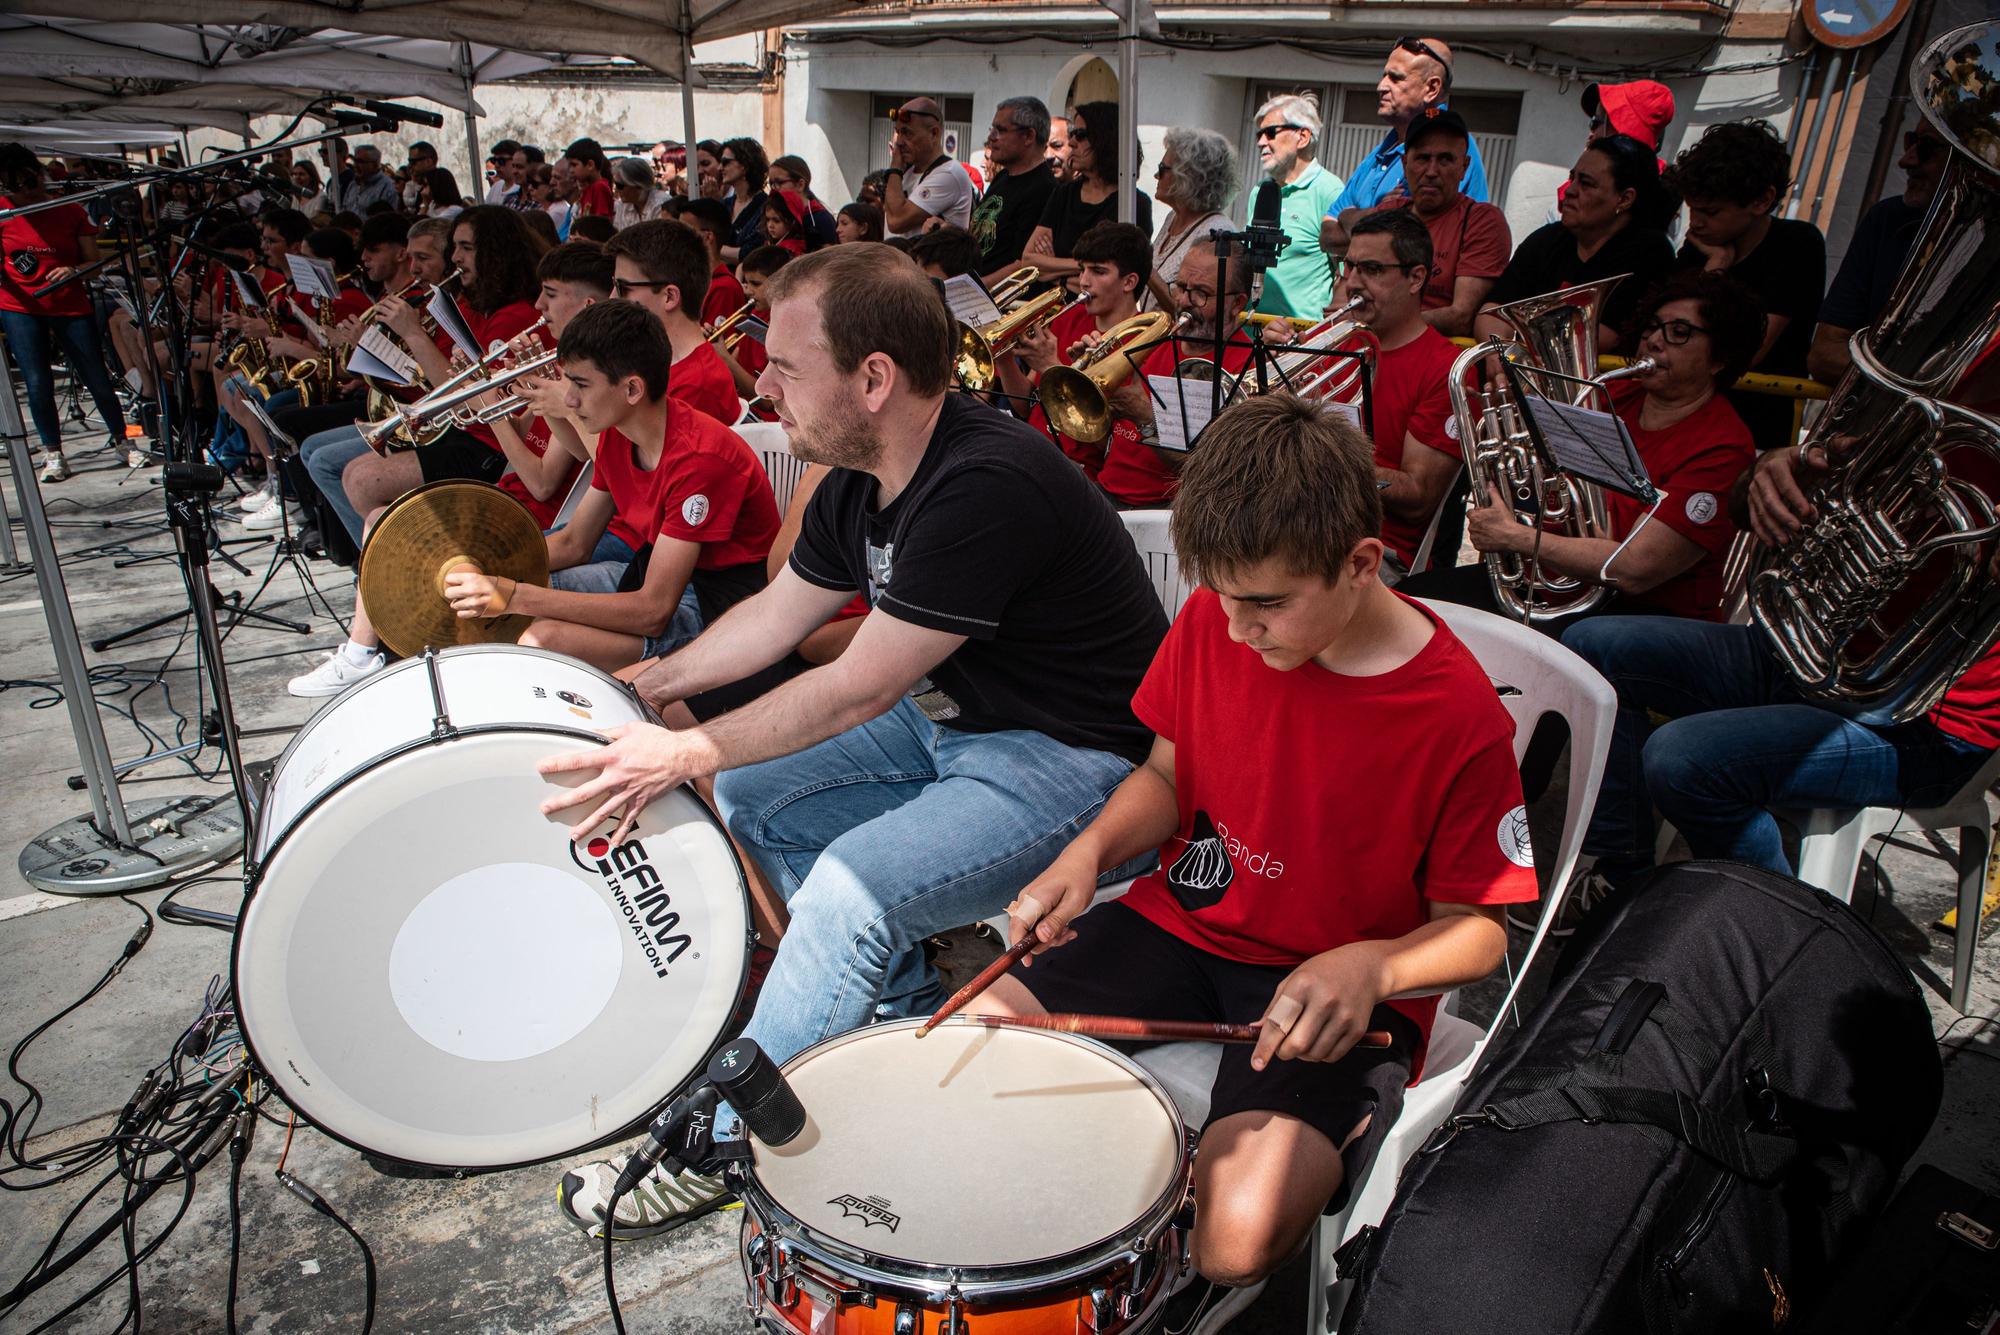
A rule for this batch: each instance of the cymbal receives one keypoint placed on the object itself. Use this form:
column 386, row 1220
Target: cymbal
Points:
column 424, row 535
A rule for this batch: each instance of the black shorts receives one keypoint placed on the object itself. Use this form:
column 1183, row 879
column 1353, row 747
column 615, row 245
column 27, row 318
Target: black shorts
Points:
column 460, row 454
column 1122, row 964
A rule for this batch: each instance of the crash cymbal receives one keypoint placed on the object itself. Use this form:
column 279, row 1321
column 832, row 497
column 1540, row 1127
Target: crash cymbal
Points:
column 427, row 533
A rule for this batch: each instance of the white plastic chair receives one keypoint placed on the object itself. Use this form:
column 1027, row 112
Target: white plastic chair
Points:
column 774, row 450
column 1832, row 840
column 1151, row 534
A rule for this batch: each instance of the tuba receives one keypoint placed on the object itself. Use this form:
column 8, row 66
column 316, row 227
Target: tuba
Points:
column 1557, row 333
column 1879, row 604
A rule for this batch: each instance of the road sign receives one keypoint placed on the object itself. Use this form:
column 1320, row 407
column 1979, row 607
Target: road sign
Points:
column 1846, row 24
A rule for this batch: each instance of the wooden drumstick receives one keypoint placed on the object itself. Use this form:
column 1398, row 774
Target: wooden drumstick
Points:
column 1159, row 1031
column 987, row 977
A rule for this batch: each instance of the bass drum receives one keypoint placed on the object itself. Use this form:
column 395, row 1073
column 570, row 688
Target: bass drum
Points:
column 430, row 970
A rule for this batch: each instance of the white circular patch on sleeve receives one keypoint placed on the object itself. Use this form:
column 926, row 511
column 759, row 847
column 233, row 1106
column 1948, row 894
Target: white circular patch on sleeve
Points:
column 694, row 509
column 1514, row 841
column 1701, row 507
column 1451, row 426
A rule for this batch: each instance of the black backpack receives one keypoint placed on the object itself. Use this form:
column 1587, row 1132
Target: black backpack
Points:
column 1718, row 1092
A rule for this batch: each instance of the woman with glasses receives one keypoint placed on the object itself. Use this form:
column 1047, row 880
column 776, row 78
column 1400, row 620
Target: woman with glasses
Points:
column 1089, row 196
column 1614, row 221
column 543, row 189
column 745, row 169
column 791, row 173
column 1700, row 330
column 1196, row 179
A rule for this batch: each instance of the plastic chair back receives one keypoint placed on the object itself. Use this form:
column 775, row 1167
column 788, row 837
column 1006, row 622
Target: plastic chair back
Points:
column 773, row 449
column 1150, row 533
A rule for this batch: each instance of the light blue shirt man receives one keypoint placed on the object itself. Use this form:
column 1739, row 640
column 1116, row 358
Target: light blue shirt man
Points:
column 1380, row 175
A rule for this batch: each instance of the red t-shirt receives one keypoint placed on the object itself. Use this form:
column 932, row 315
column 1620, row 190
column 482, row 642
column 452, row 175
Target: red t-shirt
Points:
column 725, row 295
column 1132, row 472
column 499, row 327
column 1468, row 240
column 1067, row 329
column 1970, row 709
column 536, row 438
column 596, row 199
column 1315, row 809
column 1695, row 462
column 702, row 381
column 708, row 487
column 1410, row 401
column 42, row 243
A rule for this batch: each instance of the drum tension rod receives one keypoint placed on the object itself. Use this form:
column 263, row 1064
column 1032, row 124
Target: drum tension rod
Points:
column 441, row 727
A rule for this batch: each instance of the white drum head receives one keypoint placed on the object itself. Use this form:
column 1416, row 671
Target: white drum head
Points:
column 429, row 970
column 972, row 1146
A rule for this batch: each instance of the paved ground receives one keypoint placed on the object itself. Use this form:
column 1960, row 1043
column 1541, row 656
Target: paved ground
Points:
column 487, row 1254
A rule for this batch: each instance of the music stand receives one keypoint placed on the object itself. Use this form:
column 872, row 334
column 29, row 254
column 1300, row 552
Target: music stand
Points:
column 1588, row 443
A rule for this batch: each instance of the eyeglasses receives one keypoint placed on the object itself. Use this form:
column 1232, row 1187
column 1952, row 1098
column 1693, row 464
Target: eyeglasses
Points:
column 1673, row 332
column 1272, row 131
column 623, row 287
column 1163, row 169
column 1373, row 269
column 728, row 161
column 1922, row 145
column 1200, row 296
column 1417, row 46
column 997, row 128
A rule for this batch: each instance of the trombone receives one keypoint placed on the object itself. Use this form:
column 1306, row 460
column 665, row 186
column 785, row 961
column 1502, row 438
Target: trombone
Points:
column 1077, row 397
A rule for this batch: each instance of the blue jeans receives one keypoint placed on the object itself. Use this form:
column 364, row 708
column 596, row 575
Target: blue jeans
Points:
column 33, row 339
column 1741, row 741
column 326, row 456
column 891, row 832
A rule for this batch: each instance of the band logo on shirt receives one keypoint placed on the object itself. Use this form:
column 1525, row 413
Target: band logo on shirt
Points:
column 1514, row 840
column 694, row 509
column 1701, row 507
column 880, row 559
column 1202, row 874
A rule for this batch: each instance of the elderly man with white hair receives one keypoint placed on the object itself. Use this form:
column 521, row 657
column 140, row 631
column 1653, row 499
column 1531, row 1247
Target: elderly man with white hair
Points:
column 1288, row 130
column 1196, row 178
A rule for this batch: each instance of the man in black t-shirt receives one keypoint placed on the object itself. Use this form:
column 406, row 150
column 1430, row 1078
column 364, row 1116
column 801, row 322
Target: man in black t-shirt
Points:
column 974, row 726
column 1004, row 219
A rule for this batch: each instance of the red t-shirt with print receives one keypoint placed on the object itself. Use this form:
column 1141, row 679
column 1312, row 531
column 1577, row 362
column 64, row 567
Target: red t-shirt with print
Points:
column 1695, row 462
column 708, row 487
column 536, row 438
column 1410, row 401
column 702, row 381
column 1316, row 809
column 499, row 327
column 1132, row 472
column 39, row 244
column 596, row 200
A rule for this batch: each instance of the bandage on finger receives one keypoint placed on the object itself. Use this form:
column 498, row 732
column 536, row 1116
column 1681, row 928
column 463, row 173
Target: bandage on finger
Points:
column 1285, row 1012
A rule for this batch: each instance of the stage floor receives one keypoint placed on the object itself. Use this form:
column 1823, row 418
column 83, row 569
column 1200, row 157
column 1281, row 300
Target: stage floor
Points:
column 488, row 1254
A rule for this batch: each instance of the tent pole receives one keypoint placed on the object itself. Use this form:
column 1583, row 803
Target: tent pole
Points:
column 478, row 164
column 1128, row 111
column 691, row 172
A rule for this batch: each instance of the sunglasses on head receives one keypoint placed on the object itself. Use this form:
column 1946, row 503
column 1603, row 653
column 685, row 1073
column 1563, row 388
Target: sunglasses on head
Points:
column 903, row 115
column 1417, row 46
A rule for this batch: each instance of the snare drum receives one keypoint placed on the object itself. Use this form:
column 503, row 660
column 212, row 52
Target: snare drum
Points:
column 979, row 1181
column 427, row 967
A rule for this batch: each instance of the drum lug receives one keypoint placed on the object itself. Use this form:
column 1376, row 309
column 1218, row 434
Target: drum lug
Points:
column 828, row 1295
column 909, row 1319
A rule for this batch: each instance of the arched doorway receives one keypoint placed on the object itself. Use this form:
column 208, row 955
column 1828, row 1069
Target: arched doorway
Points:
column 1094, row 81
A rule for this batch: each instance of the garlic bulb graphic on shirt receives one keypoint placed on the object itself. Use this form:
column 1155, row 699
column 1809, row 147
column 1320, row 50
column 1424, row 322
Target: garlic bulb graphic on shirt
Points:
column 1202, row 873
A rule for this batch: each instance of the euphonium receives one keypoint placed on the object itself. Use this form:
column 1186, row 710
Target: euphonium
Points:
column 1832, row 602
column 977, row 358
column 1558, row 333
column 1076, row 397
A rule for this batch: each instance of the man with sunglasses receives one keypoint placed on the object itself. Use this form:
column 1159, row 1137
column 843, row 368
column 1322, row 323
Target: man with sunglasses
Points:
column 663, row 266
column 1416, row 76
column 1876, row 254
column 924, row 181
column 1288, row 132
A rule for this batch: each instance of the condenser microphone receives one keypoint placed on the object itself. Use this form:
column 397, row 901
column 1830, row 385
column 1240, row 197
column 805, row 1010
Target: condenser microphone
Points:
column 397, row 111
column 1265, row 214
column 758, row 1091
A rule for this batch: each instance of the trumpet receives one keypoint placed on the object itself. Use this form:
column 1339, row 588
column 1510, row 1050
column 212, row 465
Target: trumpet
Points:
column 1077, row 397
column 453, row 392
column 977, row 358
column 726, row 328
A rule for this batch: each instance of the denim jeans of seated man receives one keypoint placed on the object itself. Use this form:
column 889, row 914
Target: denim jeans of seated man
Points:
column 1741, row 741
column 891, row 832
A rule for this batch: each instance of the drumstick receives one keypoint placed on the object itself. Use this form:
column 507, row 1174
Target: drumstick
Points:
column 1164, row 1031
column 987, row 977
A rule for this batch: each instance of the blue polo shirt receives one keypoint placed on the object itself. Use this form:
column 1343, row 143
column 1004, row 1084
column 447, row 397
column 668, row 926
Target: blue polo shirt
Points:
column 1301, row 282
column 1381, row 175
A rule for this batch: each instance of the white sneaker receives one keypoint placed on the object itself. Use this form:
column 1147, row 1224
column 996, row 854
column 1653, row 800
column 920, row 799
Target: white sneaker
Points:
column 333, row 676
column 275, row 515
column 659, row 1204
column 56, row 469
column 253, row 501
column 136, row 381
column 137, row 457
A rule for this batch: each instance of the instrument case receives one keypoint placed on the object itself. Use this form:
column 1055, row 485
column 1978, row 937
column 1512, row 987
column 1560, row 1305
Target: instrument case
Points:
column 1716, row 1095
column 1929, row 1266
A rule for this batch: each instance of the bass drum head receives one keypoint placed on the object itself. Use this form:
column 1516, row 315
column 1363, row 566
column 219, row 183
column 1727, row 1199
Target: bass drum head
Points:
column 429, row 970
column 1001, row 1146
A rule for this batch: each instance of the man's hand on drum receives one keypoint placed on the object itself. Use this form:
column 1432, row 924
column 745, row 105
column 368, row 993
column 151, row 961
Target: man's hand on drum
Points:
column 1322, row 1008
column 642, row 761
column 472, row 594
column 1048, row 904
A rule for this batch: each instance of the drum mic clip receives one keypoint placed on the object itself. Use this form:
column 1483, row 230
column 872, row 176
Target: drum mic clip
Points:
column 683, row 1136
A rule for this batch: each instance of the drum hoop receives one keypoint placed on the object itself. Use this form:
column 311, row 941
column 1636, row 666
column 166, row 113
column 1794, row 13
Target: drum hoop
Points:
column 974, row 1282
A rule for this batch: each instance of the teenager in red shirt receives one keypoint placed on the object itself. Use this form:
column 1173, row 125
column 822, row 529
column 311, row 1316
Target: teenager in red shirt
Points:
column 1137, row 474
column 747, row 360
column 710, row 220
column 667, row 478
column 591, row 171
column 1294, row 891
column 1114, row 261
column 663, row 266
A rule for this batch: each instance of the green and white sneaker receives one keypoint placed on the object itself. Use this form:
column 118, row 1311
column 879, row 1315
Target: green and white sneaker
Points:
column 659, row 1204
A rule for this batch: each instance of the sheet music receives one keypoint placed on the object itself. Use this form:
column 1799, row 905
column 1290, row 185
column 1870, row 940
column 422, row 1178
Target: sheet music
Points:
column 314, row 330
column 313, row 278
column 968, row 302
column 1348, row 412
column 753, row 328
column 1593, row 445
column 378, row 355
column 1181, row 409
column 452, row 320
column 248, row 290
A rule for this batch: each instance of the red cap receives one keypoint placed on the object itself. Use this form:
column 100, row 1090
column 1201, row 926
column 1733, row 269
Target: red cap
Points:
column 1642, row 109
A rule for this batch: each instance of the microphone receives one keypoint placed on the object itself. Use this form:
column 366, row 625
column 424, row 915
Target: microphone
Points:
column 355, row 120
column 758, row 1091
column 268, row 182
column 1266, row 212
column 687, row 1126
column 397, row 111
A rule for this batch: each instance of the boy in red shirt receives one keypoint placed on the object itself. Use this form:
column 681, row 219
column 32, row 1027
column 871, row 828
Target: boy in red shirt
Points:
column 663, row 267
column 668, row 478
column 1295, row 892
column 746, row 361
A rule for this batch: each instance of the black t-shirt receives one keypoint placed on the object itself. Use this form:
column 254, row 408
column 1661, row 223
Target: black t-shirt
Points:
column 1002, row 539
column 1008, row 214
column 1547, row 260
column 748, row 220
column 1067, row 217
column 1787, row 271
column 1873, row 262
